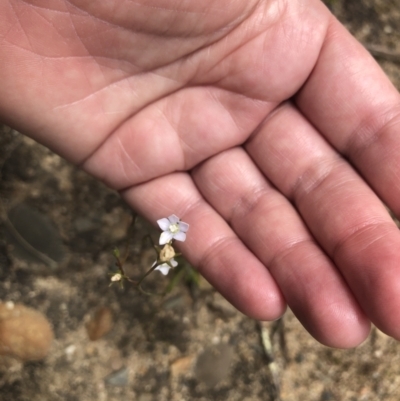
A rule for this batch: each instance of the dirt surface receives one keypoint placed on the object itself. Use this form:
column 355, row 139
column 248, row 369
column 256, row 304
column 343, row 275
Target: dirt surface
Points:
column 190, row 345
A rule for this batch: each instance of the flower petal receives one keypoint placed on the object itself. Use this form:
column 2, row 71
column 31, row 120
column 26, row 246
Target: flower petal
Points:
column 173, row 219
column 164, row 269
column 183, row 226
column 163, row 224
column 173, row 262
column 179, row 236
column 165, row 237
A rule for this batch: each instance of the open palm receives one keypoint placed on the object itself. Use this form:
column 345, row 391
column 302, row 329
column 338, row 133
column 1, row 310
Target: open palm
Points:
column 263, row 124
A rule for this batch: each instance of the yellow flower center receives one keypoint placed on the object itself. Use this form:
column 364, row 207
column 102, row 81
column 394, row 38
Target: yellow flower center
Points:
column 174, row 228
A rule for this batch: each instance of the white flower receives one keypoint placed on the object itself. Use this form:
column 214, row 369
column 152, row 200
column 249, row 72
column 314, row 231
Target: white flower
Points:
column 164, row 268
column 172, row 228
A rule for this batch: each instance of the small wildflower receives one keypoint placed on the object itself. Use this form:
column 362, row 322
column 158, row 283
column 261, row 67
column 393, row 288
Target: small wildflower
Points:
column 165, row 267
column 172, row 228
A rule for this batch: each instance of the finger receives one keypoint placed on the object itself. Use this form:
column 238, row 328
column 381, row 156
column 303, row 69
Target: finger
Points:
column 272, row 229
column 211, row 245
column 354, row 105
column 342, row 212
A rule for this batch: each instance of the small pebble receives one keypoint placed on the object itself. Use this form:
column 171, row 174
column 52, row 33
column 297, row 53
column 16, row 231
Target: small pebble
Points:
column 388, row 29
column 100, row 324
column 181, row 366
column 70, row 351
column 118, row 378
column 24, row 332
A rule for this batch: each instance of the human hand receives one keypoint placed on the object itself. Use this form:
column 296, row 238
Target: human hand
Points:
column 248, row 119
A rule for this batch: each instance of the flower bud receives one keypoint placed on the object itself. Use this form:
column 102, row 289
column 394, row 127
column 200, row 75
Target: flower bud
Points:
column 167, row 253
column 116, row 277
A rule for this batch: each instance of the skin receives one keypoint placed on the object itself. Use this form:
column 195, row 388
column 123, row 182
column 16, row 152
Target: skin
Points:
column 263, row 124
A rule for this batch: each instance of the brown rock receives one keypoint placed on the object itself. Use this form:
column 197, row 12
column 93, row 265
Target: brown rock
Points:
column 24, row 332
column 100, row 324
